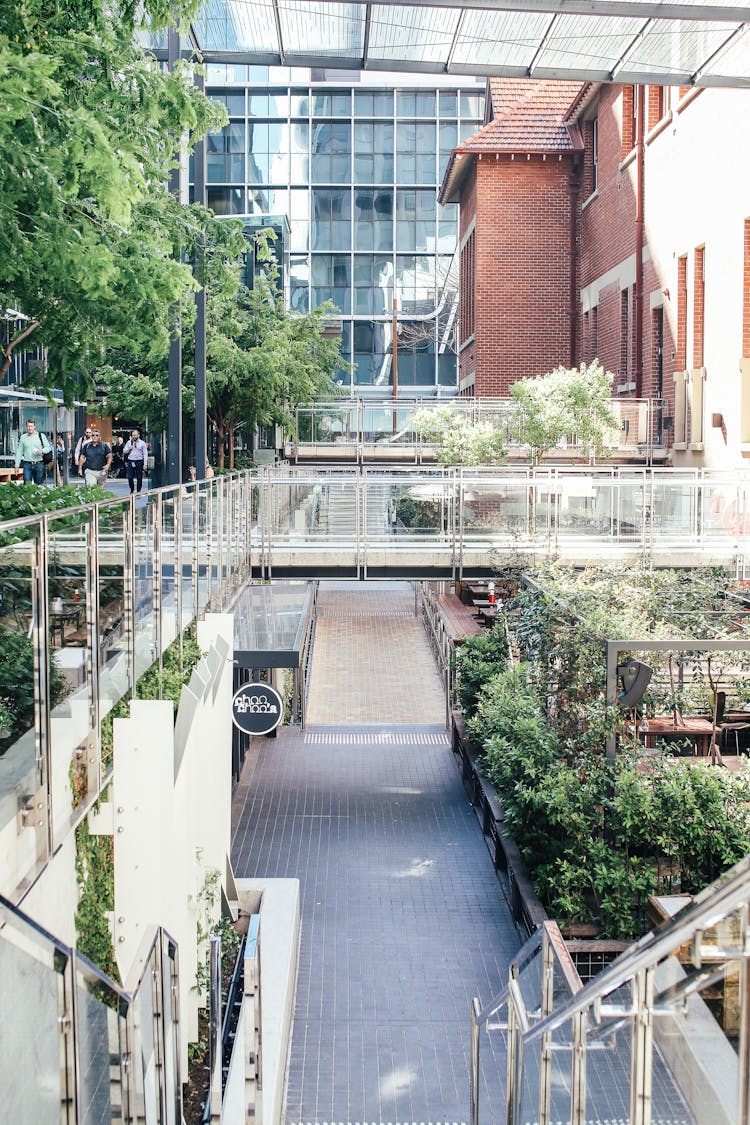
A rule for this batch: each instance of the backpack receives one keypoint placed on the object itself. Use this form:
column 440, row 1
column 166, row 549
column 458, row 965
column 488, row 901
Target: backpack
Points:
column 47, row 454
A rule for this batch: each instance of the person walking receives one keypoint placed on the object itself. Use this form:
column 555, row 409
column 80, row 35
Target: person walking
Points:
column 95, row 459
column 135, row 452
column 29, row 453
column 83, row 441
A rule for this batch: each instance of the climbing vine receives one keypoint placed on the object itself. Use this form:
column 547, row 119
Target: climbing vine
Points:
column 95, row 868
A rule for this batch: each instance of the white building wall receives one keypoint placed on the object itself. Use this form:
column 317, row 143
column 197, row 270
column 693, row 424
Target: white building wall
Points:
column 697, row 193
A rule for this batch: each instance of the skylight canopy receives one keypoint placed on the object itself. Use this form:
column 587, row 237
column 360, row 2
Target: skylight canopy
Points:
column 693, row 42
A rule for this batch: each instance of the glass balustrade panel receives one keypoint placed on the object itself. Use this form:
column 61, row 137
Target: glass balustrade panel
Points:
column 609, row 1049
column 100, row 1047
column 724, row 507
column 672, row 509
column 496, row 512
column 216, row 533
column 632, row 506
column 168, row 570
column 73, row 626
column 418, row 513
column 204, row 546
column 145, row 565
column 34, row 1083
column 169, row 981
column 189, row 583
column 115, row 636
column 585, row 508
column 147, row 1071
column 22, row 820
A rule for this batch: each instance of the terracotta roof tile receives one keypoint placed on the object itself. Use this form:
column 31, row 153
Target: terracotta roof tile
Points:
column 528, row 116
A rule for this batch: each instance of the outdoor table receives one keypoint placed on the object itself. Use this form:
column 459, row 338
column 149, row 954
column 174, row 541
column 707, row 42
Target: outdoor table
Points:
column 664, row 729
column 58, row 619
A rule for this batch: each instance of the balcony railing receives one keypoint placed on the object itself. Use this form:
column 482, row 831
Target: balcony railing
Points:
column 365, row 427
column 83, row 1048
column 438, row 522
column 90, row 598
column 638, row 1043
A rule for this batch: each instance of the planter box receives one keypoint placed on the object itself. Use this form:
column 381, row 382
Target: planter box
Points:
column 590, row 956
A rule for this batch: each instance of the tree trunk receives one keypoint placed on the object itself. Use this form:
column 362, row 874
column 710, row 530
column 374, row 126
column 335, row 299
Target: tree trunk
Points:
column 220, row 434
column 231, row 445
column 4, row 366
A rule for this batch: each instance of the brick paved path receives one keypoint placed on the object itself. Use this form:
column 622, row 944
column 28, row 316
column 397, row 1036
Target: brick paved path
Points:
column 372, row 662
column 403, row 919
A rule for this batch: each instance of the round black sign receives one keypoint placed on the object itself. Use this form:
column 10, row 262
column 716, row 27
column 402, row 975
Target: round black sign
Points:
column 257, row 708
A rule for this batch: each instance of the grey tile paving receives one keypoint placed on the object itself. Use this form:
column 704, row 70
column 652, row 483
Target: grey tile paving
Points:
column 403, row 921
column 403, row 918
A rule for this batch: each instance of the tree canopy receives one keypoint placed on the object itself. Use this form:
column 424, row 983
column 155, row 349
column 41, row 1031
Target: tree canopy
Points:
column 564, row 404
column 261, row 360
column 90, row 237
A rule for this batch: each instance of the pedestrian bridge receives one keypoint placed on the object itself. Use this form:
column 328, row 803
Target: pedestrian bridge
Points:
column 449, row 523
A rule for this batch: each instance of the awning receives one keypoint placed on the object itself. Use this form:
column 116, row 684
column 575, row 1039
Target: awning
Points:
column 271, row 622
column 702, row 43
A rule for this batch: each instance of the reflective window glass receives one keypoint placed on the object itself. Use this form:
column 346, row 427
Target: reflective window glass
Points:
column 331, row 269
column 448, row 138
column 326, row 104
column 233, row 100
column 468, row 129
column 373, row 103
column 447, row 103
column 299, row 103
column 472, row 105
column 278, row 103
column 226, row 201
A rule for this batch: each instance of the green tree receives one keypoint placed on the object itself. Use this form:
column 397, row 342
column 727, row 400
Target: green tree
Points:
column 90, row 236
column 261, row 360
column 566, row 403
column 460, row 440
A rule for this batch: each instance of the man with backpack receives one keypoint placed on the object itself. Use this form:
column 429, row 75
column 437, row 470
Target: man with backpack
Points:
column 31, row 452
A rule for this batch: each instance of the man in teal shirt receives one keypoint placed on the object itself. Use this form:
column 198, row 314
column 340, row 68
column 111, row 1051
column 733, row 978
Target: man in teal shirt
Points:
column 31, row 446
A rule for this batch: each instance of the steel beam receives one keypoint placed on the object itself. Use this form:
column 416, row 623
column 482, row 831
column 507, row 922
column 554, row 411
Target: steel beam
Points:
column 174, row 404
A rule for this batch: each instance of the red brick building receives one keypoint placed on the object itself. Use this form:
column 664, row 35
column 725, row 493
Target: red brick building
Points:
column 517, row 184
column 612, row 222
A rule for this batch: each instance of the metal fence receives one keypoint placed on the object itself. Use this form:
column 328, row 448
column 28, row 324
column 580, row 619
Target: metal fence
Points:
column 365, row 427
column 75, row 1047
column 441, row 522
column 637, row 1043
column 90, row 598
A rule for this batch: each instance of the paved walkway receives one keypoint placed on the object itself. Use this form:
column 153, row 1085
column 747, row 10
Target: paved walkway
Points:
column 372, row 662
column 403, row 918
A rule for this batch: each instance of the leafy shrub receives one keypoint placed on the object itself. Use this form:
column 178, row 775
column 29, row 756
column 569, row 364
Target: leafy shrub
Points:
column 19, row 500
column 599, row 835
column 478, row 660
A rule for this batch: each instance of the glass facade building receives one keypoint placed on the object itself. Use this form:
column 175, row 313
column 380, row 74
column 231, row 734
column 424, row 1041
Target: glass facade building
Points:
column 355, row 162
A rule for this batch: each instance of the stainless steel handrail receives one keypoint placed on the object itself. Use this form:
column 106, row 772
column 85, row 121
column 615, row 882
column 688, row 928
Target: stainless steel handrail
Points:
column 727, row 894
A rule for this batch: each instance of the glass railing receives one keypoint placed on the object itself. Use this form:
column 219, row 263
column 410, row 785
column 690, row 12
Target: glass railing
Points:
column 90, row 598
column 663, row 1034
column 83, row 1048
column 362, row 423
column 459, row 519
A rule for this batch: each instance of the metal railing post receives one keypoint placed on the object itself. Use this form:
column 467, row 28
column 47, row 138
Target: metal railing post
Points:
column 578, row 1071
column 548, row 999
column 642, row 1048
column 214, row 1034
column 474, row 1082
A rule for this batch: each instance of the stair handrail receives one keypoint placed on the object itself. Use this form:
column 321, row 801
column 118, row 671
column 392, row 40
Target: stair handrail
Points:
column 730, row 891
